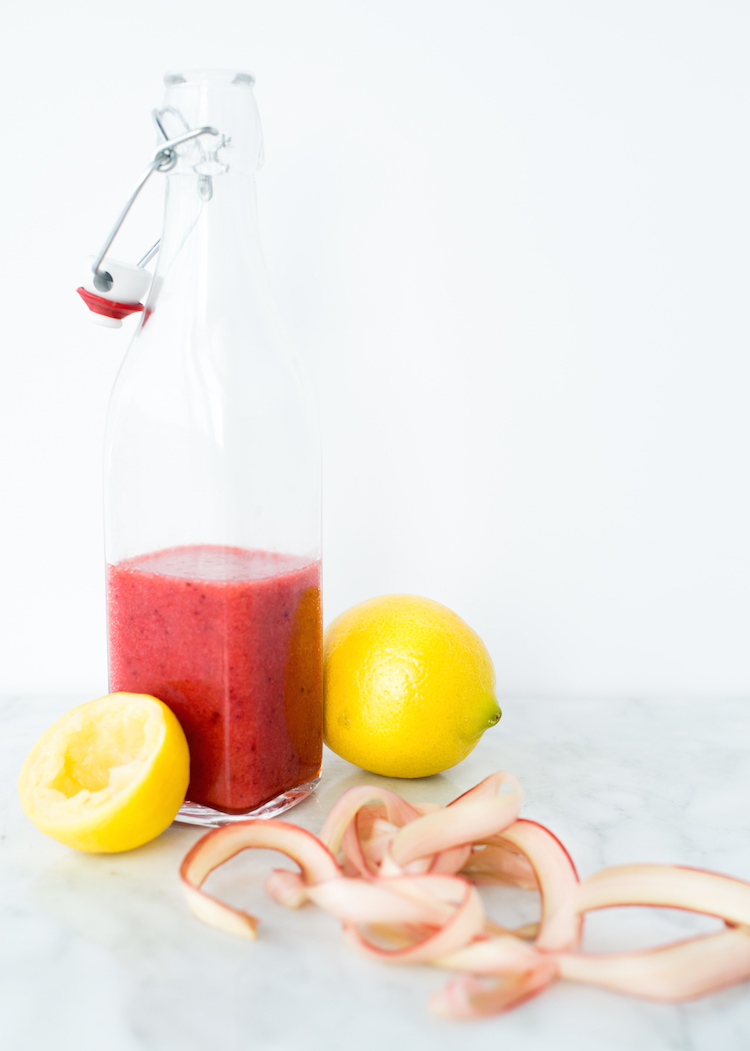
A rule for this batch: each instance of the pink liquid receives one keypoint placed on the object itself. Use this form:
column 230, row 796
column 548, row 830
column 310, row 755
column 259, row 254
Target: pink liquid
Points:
column 231, row 640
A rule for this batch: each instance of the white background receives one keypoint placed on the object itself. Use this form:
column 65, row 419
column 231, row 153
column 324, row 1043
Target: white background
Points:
column 511, row 241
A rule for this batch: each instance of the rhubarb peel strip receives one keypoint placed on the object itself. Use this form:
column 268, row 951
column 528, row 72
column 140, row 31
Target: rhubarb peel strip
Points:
column 493, row 862
column 221, row 844
column 469, row 997
column 681, row 971
column 466, row 922
column 504, row 954
column 345, row 811
column 477, row 814
column 558, row 883
column 670, row 886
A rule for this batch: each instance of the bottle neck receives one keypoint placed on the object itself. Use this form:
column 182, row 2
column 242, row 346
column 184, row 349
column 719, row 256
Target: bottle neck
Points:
column 210, row 268
column 222, row 100
column 219, row 228
column 210, row 262
column 211, row 433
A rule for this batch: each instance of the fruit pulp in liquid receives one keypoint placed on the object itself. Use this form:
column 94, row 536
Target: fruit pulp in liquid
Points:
column 231, row 640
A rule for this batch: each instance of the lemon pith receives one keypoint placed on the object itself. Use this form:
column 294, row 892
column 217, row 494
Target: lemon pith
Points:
column 409, row 686
column 109, row 775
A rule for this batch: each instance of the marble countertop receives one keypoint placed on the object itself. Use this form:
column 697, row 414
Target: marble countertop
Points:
column 100, row 952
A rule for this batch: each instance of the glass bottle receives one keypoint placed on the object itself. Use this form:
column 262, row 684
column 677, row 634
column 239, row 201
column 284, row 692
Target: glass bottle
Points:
column 212, row 484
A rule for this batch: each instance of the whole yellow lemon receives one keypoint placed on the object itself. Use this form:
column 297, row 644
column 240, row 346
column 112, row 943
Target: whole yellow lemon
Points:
column 109, row 775
column 409, row 687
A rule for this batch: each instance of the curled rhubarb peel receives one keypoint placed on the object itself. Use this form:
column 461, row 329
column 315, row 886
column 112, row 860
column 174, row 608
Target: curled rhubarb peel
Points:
column 504, row 954
column 493, row 862
column 400, row 879
column 395, row 809
column 666, row 886
column 391, row 901
column 287, row 888
column 221, row 844
column 462, row 823
column 469, row 997
column 488, row 788
column 466, row 922
column 558, row 883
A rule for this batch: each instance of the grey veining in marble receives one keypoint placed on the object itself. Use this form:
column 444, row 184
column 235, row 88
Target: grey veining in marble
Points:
column 100, row 952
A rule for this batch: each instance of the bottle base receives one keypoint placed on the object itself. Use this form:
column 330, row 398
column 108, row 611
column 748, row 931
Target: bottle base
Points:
column 197, row 814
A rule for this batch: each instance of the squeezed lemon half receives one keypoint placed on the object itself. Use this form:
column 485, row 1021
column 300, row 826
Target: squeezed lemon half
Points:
column 109, row 775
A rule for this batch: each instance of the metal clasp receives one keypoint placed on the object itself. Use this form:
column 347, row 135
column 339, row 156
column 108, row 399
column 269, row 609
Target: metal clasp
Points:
column 163, row 159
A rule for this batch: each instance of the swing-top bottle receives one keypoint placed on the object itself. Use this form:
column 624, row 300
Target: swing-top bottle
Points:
column 212, row 487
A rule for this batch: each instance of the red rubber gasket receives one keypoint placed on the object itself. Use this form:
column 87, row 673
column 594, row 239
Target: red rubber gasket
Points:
column 108, row 307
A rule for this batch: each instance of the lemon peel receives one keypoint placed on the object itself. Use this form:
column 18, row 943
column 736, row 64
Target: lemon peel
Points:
column 109, row 775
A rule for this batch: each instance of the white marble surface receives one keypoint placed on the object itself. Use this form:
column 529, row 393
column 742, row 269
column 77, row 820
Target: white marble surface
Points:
column 100, row 952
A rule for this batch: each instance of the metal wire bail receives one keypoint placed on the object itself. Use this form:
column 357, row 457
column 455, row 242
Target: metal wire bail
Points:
column 163, row 159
